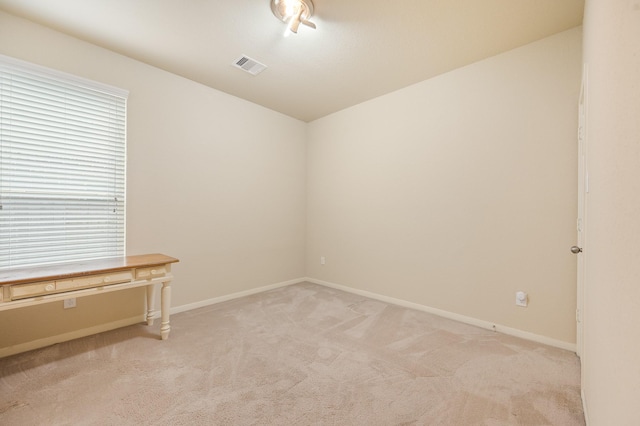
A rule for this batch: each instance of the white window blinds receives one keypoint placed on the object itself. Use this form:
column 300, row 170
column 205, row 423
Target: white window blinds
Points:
column 62, row 167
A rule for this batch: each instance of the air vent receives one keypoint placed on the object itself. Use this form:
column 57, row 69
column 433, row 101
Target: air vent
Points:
column 249, row 65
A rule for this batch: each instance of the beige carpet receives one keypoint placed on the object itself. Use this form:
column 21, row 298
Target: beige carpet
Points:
column 299, row 355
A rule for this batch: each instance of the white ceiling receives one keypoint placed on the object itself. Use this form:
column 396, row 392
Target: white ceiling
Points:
column 361, row 49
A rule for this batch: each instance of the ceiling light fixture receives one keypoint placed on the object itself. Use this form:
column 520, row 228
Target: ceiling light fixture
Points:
column 294, row 13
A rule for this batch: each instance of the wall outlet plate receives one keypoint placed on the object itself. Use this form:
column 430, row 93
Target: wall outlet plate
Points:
column 522, row 298
column 69, row 303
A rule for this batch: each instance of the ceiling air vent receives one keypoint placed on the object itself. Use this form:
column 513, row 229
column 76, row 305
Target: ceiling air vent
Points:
column 249, row 65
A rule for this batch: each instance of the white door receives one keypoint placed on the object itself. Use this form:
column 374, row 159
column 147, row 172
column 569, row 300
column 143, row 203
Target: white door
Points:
column 583, row 189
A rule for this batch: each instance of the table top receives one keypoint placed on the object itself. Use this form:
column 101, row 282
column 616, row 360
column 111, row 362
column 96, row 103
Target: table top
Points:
column 77, row 269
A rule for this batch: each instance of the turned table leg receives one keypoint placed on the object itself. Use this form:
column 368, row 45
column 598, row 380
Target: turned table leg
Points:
column 165, row 297
column 150, row 302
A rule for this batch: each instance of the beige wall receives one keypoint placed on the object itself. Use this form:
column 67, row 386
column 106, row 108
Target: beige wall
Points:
column 213, row 180
column 611, row 359
column 458, row 191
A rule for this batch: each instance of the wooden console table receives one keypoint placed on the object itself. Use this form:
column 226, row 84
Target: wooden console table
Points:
column 36, row 285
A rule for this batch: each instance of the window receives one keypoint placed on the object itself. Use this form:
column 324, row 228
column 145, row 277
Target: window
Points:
column 62, row 167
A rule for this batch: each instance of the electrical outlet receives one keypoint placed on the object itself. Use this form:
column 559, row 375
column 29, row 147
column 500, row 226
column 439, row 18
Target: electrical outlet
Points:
column 521, row 298
column 322, row 260
column 69, row 303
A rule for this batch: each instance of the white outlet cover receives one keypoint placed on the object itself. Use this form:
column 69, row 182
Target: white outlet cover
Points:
column 69, row 303
column 521, row 298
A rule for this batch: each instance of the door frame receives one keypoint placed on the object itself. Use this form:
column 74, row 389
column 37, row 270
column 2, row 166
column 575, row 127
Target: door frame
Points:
column 581, row 221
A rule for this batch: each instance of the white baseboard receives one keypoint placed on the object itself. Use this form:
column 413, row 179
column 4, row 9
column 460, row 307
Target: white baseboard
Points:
column 76, row 334
column 451, row 315
column 40, row 343
column 208, row 302
column 584, row 407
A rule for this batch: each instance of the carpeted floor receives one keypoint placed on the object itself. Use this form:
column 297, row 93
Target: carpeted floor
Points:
column 298, row 355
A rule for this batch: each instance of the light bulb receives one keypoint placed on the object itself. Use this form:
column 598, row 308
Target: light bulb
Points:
column 293, row 13
column 290, row 7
